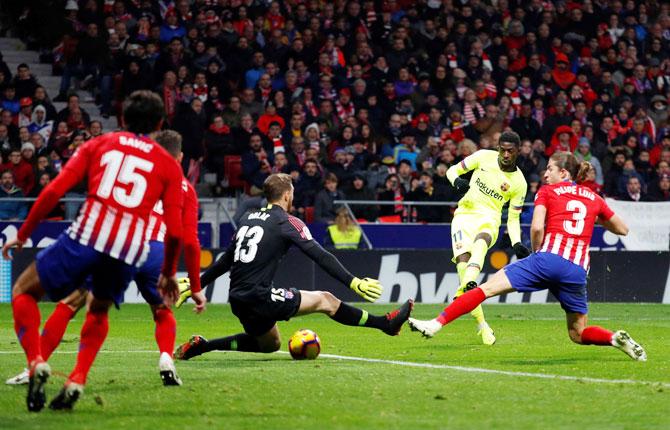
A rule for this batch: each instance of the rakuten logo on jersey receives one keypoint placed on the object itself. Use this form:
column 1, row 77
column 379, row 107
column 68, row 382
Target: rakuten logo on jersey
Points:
column 488, row 191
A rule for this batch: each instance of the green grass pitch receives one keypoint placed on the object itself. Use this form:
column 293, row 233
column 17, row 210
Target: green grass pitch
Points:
column 254, row 391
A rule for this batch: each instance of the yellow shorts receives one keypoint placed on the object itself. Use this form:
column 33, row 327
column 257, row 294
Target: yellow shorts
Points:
column 464, row 229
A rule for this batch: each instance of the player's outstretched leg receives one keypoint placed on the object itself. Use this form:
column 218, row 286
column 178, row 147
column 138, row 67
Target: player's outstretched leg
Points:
column 241, row 342
column 166, row 332
column 93, row 334
column 595, row 335
column 496, row 285
column 468, row 282
column 325, row 302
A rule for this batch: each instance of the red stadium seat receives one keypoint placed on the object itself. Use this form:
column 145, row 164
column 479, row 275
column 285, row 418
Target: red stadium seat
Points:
column 309, row 214
column 232, row 166
column 389, row 219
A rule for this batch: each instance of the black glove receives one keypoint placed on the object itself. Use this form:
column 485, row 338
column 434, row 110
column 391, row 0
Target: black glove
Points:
column 520, row 250
column 462, row 185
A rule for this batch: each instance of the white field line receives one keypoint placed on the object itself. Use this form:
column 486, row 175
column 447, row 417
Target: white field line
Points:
column 429, row 366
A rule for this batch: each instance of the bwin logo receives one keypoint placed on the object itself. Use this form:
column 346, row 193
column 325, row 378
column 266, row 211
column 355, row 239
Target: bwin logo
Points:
column 409, row 286
column 425, row 288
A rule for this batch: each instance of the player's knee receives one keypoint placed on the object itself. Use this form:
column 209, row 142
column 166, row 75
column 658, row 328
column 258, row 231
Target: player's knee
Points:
column 485, row 237
column 329, row 303
column 99, row 306
column 156, row 310
column 76, row 300
column 269, row 346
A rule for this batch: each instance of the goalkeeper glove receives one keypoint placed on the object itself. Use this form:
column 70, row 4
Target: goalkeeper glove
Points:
column 369, row 289
column 184, row 291
column 520, row 250
column 462, row 185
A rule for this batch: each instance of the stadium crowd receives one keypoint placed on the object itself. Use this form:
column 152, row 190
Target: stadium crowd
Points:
column 358, row 100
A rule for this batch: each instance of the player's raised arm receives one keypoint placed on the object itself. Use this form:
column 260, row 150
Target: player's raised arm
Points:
column 454, row 173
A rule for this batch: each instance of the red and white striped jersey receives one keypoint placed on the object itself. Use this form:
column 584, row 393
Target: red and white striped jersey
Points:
column 156, row 228
column 572, row 211
column 127, row 174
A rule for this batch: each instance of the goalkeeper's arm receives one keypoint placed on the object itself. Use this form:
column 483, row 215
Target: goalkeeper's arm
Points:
column 218, row 268
column 328, row 262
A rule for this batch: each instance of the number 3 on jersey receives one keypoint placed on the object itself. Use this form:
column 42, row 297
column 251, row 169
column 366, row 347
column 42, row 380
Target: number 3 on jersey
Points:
column 124, row 169
column 576, row 226
column 246, row 245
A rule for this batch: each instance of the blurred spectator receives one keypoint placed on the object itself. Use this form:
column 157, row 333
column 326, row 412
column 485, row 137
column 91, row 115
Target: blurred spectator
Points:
column 44, row 179
column 307, row 186
column 660, row 190
column 39, row 123
column 9, row 101
column 73, row 106
column 358, row 190
column 424, row 191
column 563, row 140
column 24, row 117
column 633, row 191
column 256, row 165
column 40, row 98
column 89, row 53
column 324, row 206
column 24, row 82
column 190, row 122
column 343, row 233
column 628, row 171
column 525, row 125
column 393, row 192
column 583, row 153
column 218, row 144
column 591, row 182
column 11, row 211
column 22, row 171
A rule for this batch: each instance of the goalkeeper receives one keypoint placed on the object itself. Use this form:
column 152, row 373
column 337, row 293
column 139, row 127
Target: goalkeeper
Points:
column 474, row 229
column 262, row 239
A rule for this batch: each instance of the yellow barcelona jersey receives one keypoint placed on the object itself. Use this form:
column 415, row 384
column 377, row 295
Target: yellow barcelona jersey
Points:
column 490, row 187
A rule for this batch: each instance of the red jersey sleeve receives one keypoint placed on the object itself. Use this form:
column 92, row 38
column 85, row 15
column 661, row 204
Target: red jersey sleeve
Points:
column 73, row 173
column 541, row 197
column 605, row 211
column 190, row 232
column 173, row 201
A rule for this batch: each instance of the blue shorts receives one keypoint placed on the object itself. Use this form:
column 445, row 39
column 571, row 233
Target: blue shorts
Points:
column 146, row 276
column 148, row 273
column 543, row 270
column 66, row 264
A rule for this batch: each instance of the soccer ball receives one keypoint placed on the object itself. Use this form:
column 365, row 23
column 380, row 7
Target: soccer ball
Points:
column 304, row 344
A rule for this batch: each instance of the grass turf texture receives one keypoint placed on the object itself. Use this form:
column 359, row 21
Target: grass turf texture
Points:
column 272, row 391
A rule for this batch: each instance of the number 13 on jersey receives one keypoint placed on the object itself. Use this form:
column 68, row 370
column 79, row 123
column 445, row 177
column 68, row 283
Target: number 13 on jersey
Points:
column 246, row 243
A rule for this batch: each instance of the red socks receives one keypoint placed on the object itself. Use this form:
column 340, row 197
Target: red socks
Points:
column 27, row 325
column 461, row 306
column 93, row 334
column 166, row 330
column 54, row 329
column 594, row 335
